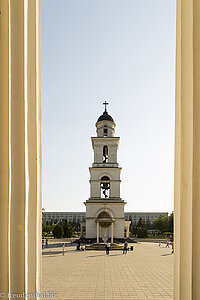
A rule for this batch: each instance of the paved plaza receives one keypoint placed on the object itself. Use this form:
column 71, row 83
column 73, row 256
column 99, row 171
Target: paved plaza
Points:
column 145, row 273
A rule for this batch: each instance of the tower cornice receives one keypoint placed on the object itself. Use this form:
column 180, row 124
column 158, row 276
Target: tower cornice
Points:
column 100, row 141
column 105, row 168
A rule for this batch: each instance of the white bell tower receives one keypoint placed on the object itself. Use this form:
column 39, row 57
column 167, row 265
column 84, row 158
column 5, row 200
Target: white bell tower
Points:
column 105, row 209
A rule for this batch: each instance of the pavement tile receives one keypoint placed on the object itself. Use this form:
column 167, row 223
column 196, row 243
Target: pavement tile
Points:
column 145, row 273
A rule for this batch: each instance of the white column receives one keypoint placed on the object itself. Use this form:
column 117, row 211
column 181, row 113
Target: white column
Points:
column 127, row 230
column 104, row 234
column 112, row 232
column 4, row 148
column 97, row 232
column 127, row 225
column 187, row 152
column 20, row 140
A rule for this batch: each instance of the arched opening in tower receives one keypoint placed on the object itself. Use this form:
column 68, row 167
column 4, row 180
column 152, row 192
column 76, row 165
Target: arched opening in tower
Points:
column 105, row 187
column 105, row 131
column 105, row 154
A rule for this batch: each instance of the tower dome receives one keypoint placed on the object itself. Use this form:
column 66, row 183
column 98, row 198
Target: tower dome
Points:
column 105, row 124
column 105, row 117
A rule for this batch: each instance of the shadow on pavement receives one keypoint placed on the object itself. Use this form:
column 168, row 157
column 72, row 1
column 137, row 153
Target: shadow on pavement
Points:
column 50, row 256
column 57, row 252
column 95, row 255
column 58, row 245
column 52, row 252
column 104, row 255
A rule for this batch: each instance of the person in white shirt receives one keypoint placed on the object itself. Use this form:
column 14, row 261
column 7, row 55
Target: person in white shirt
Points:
column 107, row 248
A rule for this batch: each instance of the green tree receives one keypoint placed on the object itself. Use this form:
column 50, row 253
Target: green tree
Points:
column 43, row 225
column 48, row 228
column 148, row 224
column 52, row 227
column 134, row 228
column 78, row 225
column 58, row 231
column 141, row 230
column 67, row 228
column 161, row 223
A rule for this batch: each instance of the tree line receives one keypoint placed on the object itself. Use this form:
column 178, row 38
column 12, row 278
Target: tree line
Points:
column 61, row 229
column 163, row 224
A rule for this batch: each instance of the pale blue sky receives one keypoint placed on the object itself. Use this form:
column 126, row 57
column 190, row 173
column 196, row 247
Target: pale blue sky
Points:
column 122, row 51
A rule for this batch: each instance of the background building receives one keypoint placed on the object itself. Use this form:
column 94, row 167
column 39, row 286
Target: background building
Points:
column 55, row 217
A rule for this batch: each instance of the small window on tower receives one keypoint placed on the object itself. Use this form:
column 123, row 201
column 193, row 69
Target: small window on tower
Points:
column 105, row 131
column 105, row 154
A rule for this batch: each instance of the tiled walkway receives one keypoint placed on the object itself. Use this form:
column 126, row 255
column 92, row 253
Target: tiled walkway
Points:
column 145, row 273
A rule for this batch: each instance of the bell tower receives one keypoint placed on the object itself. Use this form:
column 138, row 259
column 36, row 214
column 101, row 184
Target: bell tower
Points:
column 105, row 208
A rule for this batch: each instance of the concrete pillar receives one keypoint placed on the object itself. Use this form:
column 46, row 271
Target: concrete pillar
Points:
column 112, row 232
column 127, row 231
column 97, row 232
column 187, row 152
column 104, row 235
column 20, row 136
column 4, row 146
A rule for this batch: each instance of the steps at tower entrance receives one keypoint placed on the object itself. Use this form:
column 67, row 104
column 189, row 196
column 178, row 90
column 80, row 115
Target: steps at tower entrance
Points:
column 101, row 246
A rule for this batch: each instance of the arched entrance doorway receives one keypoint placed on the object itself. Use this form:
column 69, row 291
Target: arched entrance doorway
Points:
column 105, row 226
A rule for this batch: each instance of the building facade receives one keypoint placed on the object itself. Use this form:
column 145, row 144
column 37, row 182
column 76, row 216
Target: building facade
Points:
column 55, row 217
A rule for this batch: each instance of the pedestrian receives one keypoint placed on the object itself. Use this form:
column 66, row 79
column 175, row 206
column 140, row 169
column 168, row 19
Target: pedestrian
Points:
column 107, row 246
column 46, row 243
column 79, row 244
column 167, row 245
column 172, row 246
column 159, row 243
column 125, row 247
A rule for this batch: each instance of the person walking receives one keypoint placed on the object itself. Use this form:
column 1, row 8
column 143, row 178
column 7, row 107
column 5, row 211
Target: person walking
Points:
column 125, row 247
column 78, row 246
column 172, row 243
column 43, row 244
column 167, row 245
column 107, row 246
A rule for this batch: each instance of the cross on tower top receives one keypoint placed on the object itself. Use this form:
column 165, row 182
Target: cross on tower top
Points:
column 105, row 103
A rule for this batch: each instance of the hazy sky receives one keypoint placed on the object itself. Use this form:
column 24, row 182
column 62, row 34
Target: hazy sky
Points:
column 122, row 51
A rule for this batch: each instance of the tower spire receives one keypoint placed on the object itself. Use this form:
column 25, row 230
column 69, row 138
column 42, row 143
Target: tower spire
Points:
column 105, row 103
